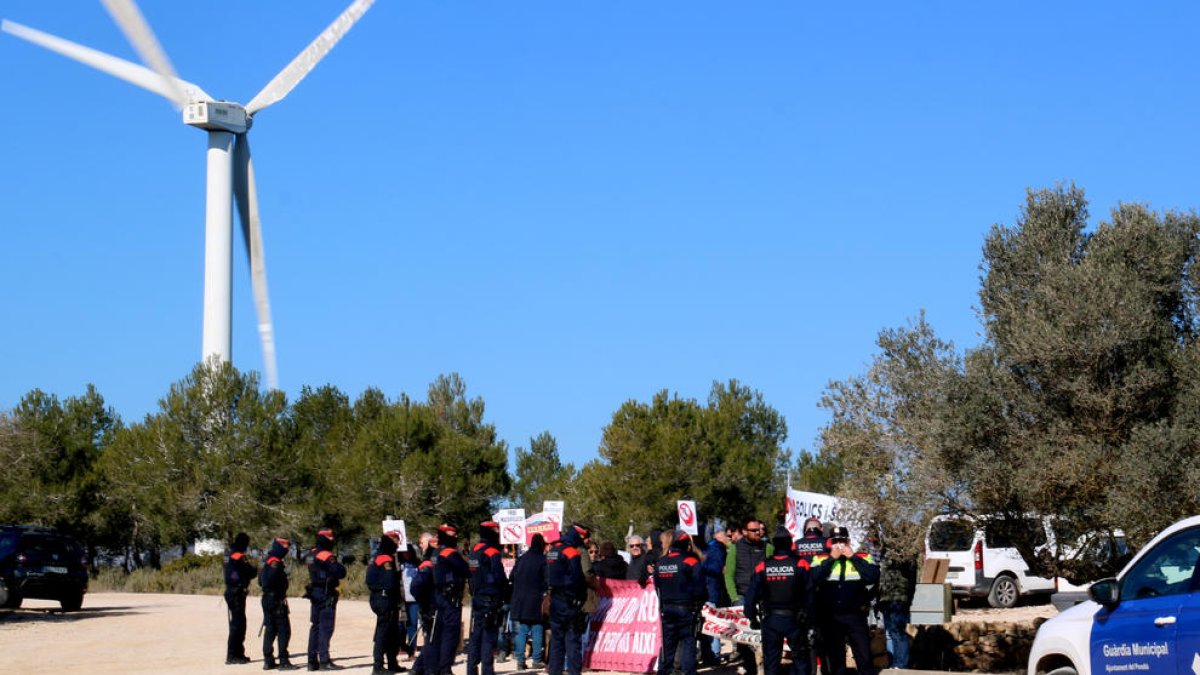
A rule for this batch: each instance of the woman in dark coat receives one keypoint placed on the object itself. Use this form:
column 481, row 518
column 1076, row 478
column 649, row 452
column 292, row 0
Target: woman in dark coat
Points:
column 529, row 587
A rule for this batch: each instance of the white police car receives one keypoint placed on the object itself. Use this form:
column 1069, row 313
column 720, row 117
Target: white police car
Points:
column 1146, row 620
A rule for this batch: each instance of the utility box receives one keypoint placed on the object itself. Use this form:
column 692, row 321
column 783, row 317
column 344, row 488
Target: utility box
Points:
column 932, row 604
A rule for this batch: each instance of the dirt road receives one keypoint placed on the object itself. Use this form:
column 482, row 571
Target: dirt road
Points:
column 123, row 633
column 120, row 633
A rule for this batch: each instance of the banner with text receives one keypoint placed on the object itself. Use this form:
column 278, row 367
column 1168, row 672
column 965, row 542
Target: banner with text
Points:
column 546, row 524
column 625, row 628
column 512, row 526
column 828, row 509
column 729, row 623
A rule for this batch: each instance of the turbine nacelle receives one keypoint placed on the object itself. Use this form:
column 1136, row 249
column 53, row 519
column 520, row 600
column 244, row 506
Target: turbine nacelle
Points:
column 217, row 116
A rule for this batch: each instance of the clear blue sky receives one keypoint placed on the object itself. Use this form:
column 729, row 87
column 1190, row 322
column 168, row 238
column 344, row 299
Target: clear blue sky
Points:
column 571, row 204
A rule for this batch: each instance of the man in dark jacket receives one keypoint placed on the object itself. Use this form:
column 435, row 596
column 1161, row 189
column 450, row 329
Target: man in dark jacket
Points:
column 640, row 560
column 610, row 565
column 324, row 574
column 489, row 593
column 238, row 575
column 528, row 588
column 748, row 552
column 383, row 580
column 897, row 584
column 716, row 592
column 779, row 600
column 568, row 592
column 277, row 626
column 842, row 579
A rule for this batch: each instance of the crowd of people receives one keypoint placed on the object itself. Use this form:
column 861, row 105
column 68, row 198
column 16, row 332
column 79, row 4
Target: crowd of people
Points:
column 814, row 591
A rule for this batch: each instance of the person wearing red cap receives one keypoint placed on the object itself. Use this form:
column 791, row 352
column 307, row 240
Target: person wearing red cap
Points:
column 277, row 627
column 450, row 572
column 489, row 592
column 324, row 573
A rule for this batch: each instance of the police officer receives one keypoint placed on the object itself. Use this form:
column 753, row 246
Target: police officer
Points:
column 449, row 579
column 679, row 582
column 568, row 592
column 277, row 627
column 489, row 593
column 842, row 579
column 813, row 543
column 238, row 575
column 779, row 600
column 324, row 572
column 383, row 580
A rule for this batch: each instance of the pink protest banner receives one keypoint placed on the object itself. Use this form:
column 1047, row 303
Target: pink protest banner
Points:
column 625, row 628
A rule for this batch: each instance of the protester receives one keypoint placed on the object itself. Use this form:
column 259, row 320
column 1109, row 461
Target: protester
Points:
column 610, row 564
column 742, row 558
column 529, row 590
column 897, row 584
column 716, row 593
column 412, row 608
column 639, row 560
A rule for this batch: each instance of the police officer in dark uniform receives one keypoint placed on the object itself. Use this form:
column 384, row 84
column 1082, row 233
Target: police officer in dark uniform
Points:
column 383, row 580
column 489, row 593
column 449, row 579
column 842, row 578
column 779, row 600
column 679, row 581
column 813, row 543
column 568, row 592
column 423, row 590
column 809, row 546
column 324, row 573
column 277, row 627
column 238, row 575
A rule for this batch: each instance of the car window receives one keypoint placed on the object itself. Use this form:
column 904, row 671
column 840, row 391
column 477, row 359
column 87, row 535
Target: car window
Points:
column 8, row 544
column 1168, row 569
column 1005, row 533
column 951, row 535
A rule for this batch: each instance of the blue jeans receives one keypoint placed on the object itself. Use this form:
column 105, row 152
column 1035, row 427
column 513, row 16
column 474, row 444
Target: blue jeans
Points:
column 895, row 618
column 536, row 632
column 409, row 637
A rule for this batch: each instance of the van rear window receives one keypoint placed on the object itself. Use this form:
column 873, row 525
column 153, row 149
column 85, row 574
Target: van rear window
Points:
column 951, row 535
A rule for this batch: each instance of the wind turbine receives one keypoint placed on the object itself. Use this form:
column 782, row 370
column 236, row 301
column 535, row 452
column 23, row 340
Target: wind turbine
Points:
column 230, row 169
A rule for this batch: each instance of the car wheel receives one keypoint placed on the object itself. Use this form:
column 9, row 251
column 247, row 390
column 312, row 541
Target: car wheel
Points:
column 13, row 600
column 1063, row 670
column 71, row 603
column 1004, row 592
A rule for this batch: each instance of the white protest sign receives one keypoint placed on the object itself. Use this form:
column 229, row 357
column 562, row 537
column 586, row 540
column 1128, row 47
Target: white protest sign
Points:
column 687, row 516
column 397, row 526
column 558, row 507
column 512, row 526
column 828, row 509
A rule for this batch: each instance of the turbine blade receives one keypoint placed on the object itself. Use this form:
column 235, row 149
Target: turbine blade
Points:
column 129, row 18
column 132, row 73
column 308, row 59
column 246, row 194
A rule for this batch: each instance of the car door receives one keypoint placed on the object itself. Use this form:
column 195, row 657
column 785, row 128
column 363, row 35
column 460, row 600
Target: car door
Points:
column 1140, row 634
column 1188, row 627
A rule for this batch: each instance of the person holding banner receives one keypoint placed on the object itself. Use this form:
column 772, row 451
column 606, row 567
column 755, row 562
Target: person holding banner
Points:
column 680, row 586
column 842, row 579
column 779, row 600
column 568, row 593
column 489, row 592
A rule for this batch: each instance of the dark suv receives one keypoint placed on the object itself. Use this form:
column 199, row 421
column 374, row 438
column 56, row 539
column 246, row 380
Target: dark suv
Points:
column 39, row 562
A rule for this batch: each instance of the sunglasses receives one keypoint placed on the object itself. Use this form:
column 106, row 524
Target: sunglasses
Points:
column 758, row 530
column 635, row 546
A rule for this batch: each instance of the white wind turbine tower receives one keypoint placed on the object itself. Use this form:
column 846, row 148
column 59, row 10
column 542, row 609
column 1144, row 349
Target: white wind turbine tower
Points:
column 230, row 170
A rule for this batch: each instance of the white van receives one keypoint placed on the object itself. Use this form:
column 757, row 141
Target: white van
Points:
column 983, row 563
